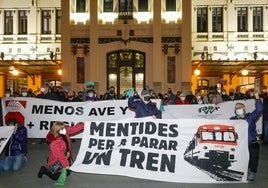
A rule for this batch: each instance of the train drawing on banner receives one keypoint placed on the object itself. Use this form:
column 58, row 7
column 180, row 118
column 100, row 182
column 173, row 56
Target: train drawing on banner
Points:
column 212, row 149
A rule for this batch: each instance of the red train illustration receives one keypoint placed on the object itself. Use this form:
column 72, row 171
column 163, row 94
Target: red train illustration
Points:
column 212, row 147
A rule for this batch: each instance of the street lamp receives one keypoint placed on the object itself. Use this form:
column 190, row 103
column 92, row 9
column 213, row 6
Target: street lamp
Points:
column 244, row 72
column 197, row 72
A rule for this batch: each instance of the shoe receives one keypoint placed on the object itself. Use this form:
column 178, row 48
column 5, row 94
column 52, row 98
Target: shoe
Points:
column 251, row 176
column 41, row 171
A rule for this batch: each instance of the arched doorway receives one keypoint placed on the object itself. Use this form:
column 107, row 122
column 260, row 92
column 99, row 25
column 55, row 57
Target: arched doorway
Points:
column 125, row 70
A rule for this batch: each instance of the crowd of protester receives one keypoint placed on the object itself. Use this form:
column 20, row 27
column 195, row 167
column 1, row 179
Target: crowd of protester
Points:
column 213, row 96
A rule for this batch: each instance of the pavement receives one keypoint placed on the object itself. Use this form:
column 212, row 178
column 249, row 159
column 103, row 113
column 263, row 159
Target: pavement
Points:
column 27, row 176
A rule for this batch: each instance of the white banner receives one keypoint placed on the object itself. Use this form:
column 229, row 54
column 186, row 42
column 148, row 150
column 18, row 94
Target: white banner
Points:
column 172, row 150
column 38, row 115
column 5, row 134
column 223, row 110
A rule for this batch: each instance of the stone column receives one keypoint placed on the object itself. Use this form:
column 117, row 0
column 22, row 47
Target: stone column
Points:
column 186, row 50
column 157, row 64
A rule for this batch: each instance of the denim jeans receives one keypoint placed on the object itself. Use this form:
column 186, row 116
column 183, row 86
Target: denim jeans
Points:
column 14, row 163
column 265, row 130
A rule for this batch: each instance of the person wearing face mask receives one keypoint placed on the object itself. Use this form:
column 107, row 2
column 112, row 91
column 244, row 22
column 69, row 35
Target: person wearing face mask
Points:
column 182, row 99
column 110, row 94
column 144, row 107
column 68, row 131
column 198, row 98
column 8, row 93
column 46, row 93
column 253, row 145
column 59, row 159
column 71, row 97
column 91, row 95
column 16, row 148
column 24, row 92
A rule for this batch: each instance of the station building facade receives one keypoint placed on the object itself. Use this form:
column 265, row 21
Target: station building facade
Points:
column 133, row 43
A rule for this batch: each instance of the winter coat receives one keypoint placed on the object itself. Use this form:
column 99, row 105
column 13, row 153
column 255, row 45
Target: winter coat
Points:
column 144, row 110
column 57, row 152
column 251, row 118
column 70, row 131
column 17, row 143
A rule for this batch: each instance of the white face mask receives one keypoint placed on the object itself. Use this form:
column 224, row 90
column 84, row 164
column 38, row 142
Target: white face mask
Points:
column 63, row 131
column 239, row 112
column 24, row 94
column 182, row 98
column 90, row 94
column 198, row 97
column 224, row 93
column 7, row 94
column 42, row 89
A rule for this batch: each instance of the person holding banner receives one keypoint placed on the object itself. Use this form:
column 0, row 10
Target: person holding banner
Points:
column 144, row 107
column 57, row 167
column 60, row 149
column 67, row 131
column 253, row 145
column 16, row 148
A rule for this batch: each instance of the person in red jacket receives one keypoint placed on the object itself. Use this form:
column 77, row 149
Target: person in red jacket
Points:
column 60, row 150
column 68, row 132
column 182, row 99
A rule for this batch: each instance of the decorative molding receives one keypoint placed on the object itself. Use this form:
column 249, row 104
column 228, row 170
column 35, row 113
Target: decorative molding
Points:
column 80, row 40
column 105, row 40
column 108, row 40
column 171, row 39
column 138, row 39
